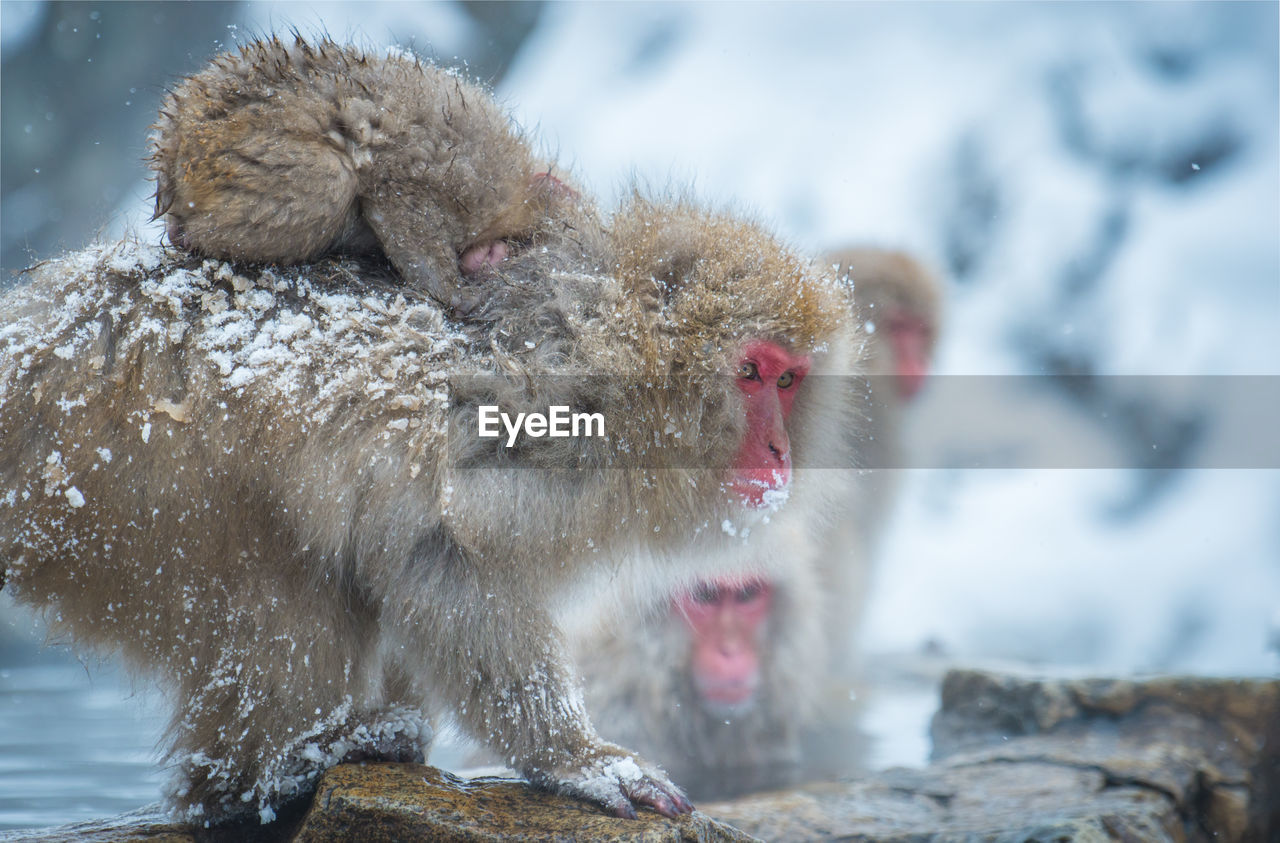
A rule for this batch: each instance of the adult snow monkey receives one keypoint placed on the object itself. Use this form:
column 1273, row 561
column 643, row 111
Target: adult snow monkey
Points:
column 266, row 483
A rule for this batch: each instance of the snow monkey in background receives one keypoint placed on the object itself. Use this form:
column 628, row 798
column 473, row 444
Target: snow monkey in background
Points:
column 898, row 303
column 264, row 483
column 743, row 683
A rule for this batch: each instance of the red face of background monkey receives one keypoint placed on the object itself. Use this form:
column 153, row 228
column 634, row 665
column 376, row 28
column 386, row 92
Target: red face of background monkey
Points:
column 911, row 344
column 769, row 377
column 726, row 618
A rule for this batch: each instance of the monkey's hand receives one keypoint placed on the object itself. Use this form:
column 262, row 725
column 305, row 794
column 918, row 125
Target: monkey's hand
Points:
column 516, row 689
column 618, row 780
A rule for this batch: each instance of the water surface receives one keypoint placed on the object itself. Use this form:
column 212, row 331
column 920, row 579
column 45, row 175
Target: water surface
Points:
column 77, row 742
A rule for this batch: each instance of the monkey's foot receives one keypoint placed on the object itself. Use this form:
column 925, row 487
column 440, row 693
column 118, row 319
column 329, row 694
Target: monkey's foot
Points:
column 230, row 789
column 399, row 747
column 398, row 733
column 619, row 782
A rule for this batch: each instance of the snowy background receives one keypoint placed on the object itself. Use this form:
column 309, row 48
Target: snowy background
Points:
column 1098, row 183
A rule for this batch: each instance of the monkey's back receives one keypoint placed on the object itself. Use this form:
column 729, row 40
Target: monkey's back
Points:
column 156, row 407
column 292, row 423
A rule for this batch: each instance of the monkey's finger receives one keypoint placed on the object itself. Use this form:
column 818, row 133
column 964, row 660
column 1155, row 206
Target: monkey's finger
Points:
column 664, row 806
column 679, row 801
column 614, row 801
column 662, row 797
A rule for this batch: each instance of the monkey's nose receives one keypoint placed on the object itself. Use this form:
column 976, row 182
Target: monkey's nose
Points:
column 779, row 454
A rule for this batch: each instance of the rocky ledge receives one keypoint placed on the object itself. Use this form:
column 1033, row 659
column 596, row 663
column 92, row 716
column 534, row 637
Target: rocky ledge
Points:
column 1015, row 759
column 1076, row 761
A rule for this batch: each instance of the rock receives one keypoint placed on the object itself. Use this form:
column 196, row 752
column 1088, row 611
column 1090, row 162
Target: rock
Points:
column 390, row 802
column 1026, row 802
column 1212, row 745
column 980, row 708
column 393, row 802
column 1016, row 759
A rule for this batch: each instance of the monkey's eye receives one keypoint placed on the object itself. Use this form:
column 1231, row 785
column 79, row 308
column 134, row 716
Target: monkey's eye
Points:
column 786, row 379
column 748, row 593
column 748, row 371
column 705, row 594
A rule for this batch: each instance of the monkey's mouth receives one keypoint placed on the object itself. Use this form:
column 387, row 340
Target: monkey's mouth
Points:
column 724, row 697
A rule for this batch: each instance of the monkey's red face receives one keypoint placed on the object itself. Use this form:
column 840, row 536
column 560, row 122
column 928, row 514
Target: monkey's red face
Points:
column 726, row 617
column 769, row 377
column 911, row 340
